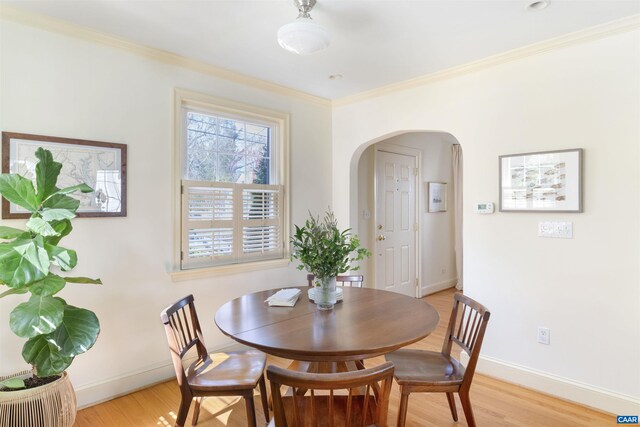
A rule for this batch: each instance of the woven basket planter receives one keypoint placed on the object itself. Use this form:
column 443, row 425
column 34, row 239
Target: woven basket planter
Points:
column 49, row 405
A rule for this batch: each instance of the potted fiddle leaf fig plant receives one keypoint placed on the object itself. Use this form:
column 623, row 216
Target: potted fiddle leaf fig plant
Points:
column 33, row 262
column 325, row 251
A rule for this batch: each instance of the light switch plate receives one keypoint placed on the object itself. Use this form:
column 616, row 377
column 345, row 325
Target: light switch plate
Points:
column 557, row 229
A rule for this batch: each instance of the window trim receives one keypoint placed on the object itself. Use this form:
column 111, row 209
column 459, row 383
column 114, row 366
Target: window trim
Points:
column 208, row 103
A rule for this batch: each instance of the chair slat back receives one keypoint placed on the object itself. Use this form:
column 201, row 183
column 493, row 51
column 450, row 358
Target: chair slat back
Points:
column 467, row 325
column 350, row 399
column 346, row 280
column 183, row 332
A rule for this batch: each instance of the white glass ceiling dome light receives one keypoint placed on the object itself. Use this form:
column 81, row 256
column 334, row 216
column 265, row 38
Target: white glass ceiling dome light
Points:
column 303, row 36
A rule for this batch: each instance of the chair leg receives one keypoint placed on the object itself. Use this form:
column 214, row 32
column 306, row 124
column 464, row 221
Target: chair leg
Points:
column 251, row 410
column 452, row 406
column 196, row 411
column 183, row 411
column 402, row 409
column 263, row 397
column 466, row 407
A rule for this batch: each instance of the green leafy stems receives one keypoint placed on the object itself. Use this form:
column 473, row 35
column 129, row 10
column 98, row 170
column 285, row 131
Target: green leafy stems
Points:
column 323, row 249
column 56, row 332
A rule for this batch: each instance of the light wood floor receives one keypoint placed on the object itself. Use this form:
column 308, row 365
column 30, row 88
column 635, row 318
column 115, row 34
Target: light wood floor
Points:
column 495, row 403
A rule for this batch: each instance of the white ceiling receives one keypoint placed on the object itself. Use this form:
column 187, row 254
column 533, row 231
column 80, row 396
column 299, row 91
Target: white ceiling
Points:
column 375, row 42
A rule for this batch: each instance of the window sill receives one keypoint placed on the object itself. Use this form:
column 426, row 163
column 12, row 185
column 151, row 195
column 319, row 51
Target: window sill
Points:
column 199, row 273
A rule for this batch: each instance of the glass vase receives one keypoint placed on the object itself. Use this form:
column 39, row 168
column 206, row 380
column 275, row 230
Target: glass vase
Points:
column 325, row 294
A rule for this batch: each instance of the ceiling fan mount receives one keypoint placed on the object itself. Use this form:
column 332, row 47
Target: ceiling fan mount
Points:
column 304, row 7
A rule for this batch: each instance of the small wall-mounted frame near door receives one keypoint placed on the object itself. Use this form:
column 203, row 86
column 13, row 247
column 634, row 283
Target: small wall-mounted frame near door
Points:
column 101, row 165
column 436, row 196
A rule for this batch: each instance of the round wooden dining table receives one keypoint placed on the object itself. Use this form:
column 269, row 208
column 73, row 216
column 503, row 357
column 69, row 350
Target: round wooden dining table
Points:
column 366, row 323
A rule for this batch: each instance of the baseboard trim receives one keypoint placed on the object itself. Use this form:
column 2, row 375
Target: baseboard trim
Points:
column 437, row 287
column 560, row 387
column 102, row 391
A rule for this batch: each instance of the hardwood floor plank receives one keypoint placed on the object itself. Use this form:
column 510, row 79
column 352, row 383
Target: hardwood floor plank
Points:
column 495, row 403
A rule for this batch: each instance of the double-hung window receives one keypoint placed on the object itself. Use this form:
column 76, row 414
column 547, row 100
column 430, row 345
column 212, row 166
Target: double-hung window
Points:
column 233, row 206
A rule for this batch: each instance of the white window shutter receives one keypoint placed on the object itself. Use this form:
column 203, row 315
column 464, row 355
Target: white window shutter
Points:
column 261, row 222
column 226, row 223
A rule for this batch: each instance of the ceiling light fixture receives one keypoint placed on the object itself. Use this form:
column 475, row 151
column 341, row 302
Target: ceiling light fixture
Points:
column 303, row 36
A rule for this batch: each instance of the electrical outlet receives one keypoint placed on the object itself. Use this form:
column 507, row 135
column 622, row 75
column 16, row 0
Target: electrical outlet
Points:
column 543, row 335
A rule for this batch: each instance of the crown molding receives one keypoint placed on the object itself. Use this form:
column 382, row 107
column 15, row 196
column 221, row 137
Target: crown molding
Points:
column 590, row 34
column 55, row 25
column 61, row 27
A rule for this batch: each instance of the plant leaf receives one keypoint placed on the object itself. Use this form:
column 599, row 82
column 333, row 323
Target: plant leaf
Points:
column 57, row 214
column 40, row 226
column 48, row 286
column 23, row 261
column 13, row 383
column 14, row 291
column 61, row 201
column 38, row 316
column 45, row 356
column 47, row 171
column 62, row 227
column 77, row 333
column 80, row 187
column 9, row 232
column 82, row 280
column 19, row 190
column 64, row 258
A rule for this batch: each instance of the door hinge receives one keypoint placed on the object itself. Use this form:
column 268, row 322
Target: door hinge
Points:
column 417, row 284
column 182, row 189
column 415, row 171
column 415, row 226
column 181, row 256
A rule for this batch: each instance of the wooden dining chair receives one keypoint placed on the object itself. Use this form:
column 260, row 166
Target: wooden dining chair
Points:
column 356, row 398
column 354, row 280
column 428, row 371
column 218, row 374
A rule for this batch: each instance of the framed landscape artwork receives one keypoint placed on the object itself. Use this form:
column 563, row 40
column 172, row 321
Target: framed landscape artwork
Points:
column 101, row 165
column 548, row 181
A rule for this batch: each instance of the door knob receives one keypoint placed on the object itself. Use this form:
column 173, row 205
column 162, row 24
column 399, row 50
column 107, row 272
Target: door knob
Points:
column 381, row 237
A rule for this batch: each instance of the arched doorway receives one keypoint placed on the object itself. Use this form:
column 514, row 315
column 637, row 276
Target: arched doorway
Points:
column 434, row 261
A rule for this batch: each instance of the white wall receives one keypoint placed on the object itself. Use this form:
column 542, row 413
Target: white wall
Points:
column 437, row 261
column 60, row 86
column 587, row 289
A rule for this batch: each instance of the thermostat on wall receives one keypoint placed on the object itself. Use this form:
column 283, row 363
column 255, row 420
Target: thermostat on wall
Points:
column 484, row 208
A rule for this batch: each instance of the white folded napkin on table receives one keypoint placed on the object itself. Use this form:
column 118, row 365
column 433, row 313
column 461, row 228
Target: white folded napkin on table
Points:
column 284, row 298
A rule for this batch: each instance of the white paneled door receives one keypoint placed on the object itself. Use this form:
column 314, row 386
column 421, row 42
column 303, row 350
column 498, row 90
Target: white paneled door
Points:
column 396, row 223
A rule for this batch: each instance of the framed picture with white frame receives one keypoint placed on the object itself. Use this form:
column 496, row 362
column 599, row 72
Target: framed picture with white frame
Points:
column 436, row 196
